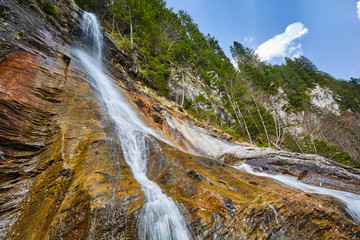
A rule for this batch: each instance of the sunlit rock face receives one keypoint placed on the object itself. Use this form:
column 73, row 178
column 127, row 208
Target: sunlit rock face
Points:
column 323, row 99
column 224, row 203
column 62, row 173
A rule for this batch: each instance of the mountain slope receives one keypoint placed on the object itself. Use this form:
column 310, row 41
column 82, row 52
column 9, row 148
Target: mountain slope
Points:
column 279, row 106
column 63, row 172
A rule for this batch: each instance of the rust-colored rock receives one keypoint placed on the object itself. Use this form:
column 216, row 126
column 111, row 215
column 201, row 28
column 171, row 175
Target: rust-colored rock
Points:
column 62, row 174
column 224, row 202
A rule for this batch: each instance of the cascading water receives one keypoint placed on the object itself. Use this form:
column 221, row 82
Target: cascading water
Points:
column 351, row 200
column 161, row 218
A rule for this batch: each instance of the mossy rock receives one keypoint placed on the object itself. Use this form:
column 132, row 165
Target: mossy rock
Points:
column 48, row 8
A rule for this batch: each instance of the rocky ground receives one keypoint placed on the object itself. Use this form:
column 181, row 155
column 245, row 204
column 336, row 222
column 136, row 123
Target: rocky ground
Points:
column 62, row 171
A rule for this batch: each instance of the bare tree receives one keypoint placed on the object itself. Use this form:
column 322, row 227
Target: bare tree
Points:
column 230, row 92
column 262, row 120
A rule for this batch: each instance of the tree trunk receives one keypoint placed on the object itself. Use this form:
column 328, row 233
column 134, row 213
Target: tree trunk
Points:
column 131, row 30
column 183, row 85
column 262, row 121
column 113, row 24
column 246, row 128
column 296, row 142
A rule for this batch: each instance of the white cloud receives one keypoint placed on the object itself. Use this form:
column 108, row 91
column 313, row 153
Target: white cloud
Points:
column 358, row 9
column 234, row 63
column 249, row 39
column 282, row 45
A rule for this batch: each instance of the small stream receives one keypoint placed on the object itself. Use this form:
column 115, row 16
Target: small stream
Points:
column 351, row 200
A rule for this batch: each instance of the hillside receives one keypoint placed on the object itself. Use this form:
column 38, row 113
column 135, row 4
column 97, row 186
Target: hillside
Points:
column 131, row 124
column 293, row 106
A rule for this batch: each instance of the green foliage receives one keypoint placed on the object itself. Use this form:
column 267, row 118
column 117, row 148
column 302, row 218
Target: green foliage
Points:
column 333, row 152
column 348, row 92
column 188, row 105
column 164, row 35
column 101, row 7
column 312, row 145
column 48, row 8
column 201, row 98
column 160, row 38
column 252, row 68
column 182, row 53
column 299, row 100
column 243, row 55
column 295, row 76
column 125, row 42
column 355, row 81
column 208, row 115
column 156, row 75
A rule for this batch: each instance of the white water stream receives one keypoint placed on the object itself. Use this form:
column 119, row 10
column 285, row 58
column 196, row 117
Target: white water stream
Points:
column 161, row 218
column 351, row 200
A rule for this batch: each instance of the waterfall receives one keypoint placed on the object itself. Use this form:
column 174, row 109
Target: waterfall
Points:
column 91, row 35
column 161, row 217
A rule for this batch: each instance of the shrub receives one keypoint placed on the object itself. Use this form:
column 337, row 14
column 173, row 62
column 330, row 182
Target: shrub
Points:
column 48, row 8
column 156, row 75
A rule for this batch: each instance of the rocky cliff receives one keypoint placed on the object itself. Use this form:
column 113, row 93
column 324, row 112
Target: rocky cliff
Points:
column 63, row 174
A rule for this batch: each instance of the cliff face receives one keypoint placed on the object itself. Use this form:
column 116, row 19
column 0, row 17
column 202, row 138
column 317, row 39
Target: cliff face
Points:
column 58, row 165
column 63, row 175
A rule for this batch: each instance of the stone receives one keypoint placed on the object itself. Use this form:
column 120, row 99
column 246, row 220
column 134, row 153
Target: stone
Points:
column 63, row 175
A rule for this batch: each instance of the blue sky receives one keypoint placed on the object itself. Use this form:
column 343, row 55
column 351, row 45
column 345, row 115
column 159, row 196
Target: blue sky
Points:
column 325, row 31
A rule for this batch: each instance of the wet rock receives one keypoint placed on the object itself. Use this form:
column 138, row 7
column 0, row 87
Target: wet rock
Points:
column 194, row 175
column 303, row 174
column 54, row 140
column 228, row 204
column 63, row 175
column 311, row 171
